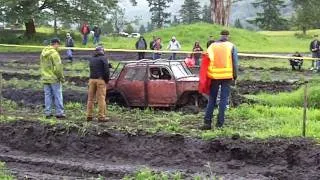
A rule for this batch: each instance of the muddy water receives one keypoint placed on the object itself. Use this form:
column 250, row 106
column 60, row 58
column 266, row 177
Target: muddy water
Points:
column 43, row 152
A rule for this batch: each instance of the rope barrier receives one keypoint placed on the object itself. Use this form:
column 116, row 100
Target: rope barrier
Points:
column 154, row 51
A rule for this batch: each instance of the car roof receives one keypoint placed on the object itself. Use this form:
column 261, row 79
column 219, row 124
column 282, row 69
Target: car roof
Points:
column 163, row 62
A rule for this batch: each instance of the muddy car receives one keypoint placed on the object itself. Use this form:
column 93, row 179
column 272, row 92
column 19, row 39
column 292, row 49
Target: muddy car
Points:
column 154, row 83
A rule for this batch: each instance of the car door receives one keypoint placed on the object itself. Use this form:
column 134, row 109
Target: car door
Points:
column 132, row 84
column 162, row 92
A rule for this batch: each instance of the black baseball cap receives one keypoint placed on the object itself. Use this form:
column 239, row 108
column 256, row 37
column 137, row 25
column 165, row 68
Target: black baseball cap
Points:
column 225, row 33
column 55, row 40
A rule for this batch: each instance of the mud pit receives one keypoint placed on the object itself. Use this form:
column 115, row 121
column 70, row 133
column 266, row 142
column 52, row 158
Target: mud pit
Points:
column 41, row 151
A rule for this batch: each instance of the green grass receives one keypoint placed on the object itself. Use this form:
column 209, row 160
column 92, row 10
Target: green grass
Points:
column 4, row 174
column 294, row 99
column 246, row 41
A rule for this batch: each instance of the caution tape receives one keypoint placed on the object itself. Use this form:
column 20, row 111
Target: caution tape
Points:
column 154, row 51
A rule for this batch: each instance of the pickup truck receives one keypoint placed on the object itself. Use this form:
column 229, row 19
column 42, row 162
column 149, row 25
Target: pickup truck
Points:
column 154, row 83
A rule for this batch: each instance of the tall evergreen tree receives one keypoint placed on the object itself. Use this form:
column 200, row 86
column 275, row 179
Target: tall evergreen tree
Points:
column 206, row 14
column 238, row 24
column 307, row 14
column 270, row 17
column 149, row 27
column 142, row 29
column 190, row 11
column 175, row 21
column 159, row 17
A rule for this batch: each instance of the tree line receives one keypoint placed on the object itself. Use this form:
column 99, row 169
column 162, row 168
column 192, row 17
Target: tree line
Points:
column 111, row 17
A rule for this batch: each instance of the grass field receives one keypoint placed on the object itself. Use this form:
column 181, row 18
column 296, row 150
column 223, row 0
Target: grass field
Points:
column 246, row 41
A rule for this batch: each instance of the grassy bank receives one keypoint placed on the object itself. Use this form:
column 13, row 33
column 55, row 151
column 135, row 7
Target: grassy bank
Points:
column 246, row 41
column 4, row 173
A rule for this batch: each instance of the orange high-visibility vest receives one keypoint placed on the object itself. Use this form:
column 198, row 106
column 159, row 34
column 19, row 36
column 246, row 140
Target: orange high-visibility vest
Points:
column 221, row 65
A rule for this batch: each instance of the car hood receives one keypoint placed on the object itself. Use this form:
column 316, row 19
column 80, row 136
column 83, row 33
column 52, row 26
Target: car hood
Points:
column 190, row 78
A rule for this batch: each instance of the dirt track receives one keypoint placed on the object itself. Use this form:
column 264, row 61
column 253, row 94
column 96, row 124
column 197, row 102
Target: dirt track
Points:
column 45, row 152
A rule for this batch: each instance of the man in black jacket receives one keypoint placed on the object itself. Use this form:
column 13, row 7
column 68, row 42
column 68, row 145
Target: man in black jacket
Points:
column 99, row 77
column 315, row 50
column 141, row 44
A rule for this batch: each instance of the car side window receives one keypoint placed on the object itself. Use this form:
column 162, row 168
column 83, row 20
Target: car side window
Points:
column 159, row 73
column 136, row 73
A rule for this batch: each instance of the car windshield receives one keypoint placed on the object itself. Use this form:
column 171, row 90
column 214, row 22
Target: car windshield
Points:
column 179, row 71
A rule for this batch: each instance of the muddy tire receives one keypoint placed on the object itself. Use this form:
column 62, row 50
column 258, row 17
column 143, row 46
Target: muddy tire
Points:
column 116, row 98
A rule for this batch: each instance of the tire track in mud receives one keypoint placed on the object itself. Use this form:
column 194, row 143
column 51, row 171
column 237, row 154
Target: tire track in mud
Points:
column 35, row 147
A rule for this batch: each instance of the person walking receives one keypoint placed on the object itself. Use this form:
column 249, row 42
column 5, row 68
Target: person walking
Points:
column 85, row 31
column 197, row 49
column 157, row 46
column 96, row 35
column 222, row 69
column 315, row 50
column 51, row 70
column 141, row 44
column 174, row 45
column 99, row 78
column 69, row 43
column 210, row 41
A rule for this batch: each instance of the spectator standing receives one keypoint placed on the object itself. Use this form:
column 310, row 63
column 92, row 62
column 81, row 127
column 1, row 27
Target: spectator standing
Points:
column 85, row 31
column 96, row 35
column 210, row 41
column 222, row 69
column 154, row 39
column 141, row 44
column 69, row 43
column 315, row 50
column 197, row 56
column 157, row 46
column 51, row 70
column 174, row 45
column 99, row 78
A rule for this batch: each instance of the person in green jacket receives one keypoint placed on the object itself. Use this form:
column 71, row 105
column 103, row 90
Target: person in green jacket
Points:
column 52, row 77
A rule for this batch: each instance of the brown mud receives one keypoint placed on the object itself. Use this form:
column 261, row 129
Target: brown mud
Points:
column 41, row 151
column 243, row 87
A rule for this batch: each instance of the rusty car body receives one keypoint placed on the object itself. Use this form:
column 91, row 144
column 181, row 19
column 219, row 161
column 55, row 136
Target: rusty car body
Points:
column 154, row 83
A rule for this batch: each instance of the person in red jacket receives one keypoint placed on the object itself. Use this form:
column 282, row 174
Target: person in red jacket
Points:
column 85, row 31
column 222, row 69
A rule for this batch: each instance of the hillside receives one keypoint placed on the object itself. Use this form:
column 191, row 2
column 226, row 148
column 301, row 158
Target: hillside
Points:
column 246, row 41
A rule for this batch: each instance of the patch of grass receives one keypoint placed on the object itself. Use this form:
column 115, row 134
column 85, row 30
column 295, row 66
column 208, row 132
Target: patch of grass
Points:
column 147, row 174
column 4, row 173
column 246, row 41
column 293, row 99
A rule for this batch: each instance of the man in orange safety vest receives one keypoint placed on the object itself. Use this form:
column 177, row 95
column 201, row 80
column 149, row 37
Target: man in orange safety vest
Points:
column 222, row 70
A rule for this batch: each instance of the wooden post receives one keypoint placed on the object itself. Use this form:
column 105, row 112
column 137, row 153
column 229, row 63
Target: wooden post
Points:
column 305, row 106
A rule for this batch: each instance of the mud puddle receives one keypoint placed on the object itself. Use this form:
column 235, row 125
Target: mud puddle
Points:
column 76, row 80
column 44, row 151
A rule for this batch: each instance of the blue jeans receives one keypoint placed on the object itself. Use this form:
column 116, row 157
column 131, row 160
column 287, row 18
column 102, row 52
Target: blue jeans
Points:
column 69, row 54
column 173, row 56
column 156, row 56
column 53, row 92
column 96, row 39
column 224, row 96
column 85, row 39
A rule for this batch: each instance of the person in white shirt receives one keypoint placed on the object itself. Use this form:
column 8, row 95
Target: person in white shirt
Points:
column 174, row 45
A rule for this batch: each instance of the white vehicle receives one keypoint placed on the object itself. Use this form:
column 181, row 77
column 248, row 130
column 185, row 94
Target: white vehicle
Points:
column 124, row 34
column 135, row 35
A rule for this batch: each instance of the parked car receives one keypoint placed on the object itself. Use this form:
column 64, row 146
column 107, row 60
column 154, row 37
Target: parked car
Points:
column 123, row 34
column 155, row 83
column 134, row 35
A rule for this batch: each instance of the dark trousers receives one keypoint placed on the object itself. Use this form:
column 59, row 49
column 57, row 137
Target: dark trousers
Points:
column 173, row 56
column 224, row 96
column 141, row 55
